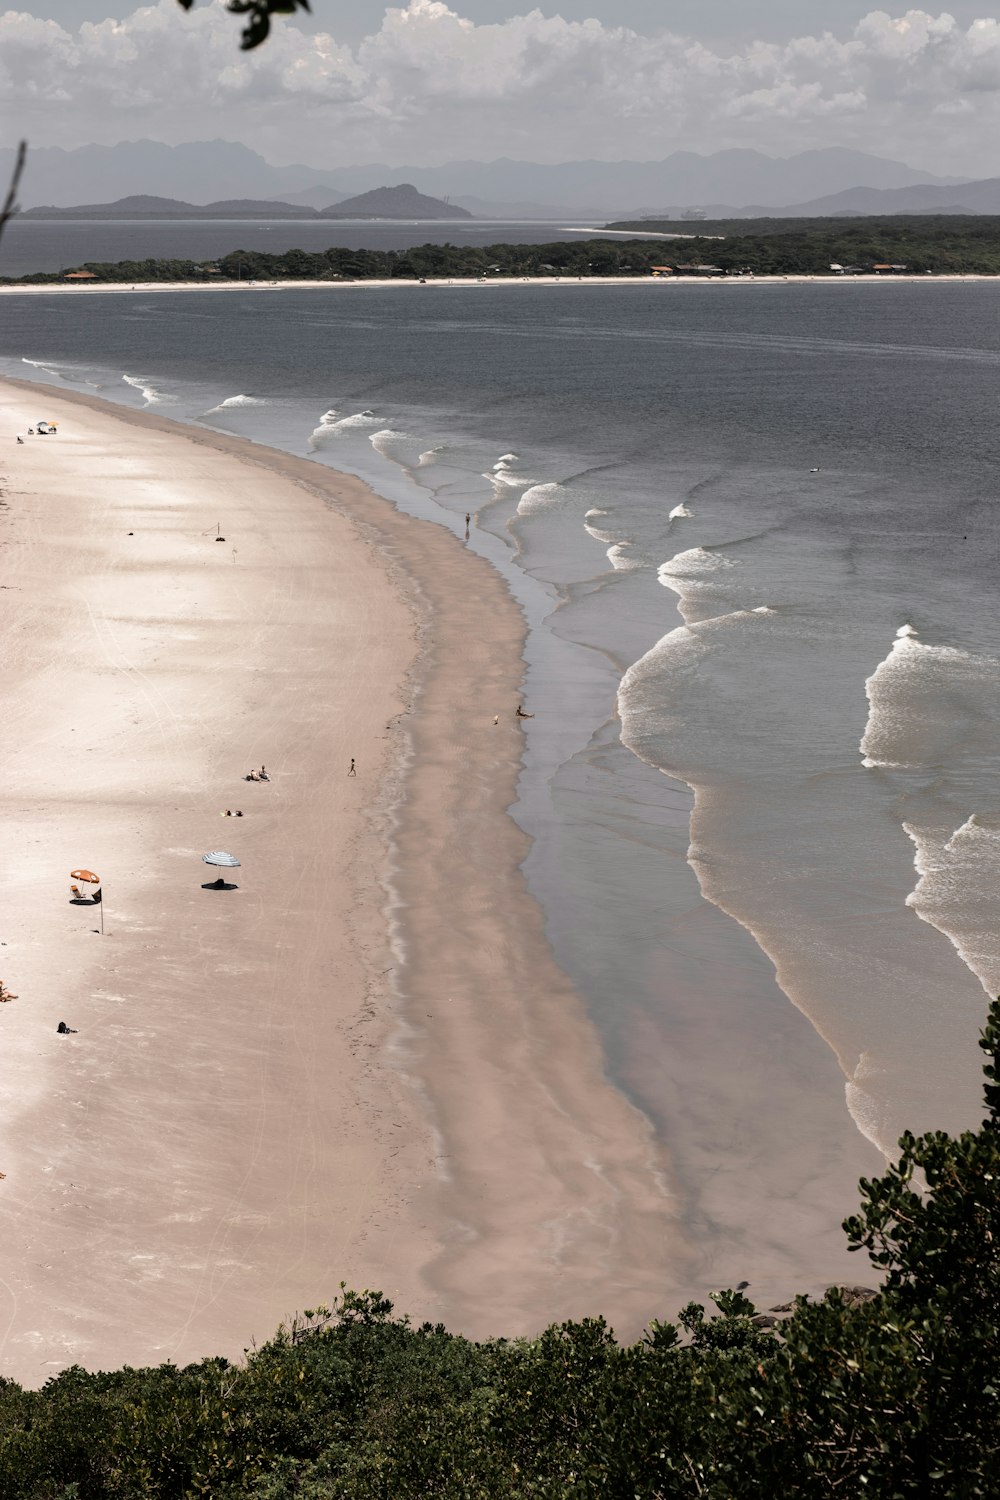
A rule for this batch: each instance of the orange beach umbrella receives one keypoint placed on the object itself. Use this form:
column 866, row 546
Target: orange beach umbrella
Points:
column 87, row 876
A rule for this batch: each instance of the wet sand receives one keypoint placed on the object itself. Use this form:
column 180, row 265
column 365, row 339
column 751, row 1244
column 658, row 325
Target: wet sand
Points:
column 360, row 1062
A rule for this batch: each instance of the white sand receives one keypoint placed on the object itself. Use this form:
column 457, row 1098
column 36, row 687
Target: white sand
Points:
column 456, row 283
column 271, row 1088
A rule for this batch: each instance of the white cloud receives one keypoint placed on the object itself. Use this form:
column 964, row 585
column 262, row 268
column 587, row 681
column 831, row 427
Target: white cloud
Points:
column 431, row 83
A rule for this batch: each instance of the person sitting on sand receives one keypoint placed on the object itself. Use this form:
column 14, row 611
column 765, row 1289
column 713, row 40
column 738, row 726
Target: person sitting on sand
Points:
column 520, row 713
column 65, row 1030
column 251, row 776
column 227, row 813
column 237, row 814
column 263, row 774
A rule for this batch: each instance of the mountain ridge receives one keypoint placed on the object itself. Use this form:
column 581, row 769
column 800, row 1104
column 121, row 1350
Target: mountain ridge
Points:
column 202, row 172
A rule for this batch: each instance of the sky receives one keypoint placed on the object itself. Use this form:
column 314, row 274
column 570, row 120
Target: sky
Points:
column 426, row 81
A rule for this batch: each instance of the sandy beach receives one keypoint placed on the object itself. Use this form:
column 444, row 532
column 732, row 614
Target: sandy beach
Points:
column 360, row 1062
column 79, row 289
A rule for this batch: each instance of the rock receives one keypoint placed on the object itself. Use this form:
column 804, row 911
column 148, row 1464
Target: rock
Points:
column 855, row 1296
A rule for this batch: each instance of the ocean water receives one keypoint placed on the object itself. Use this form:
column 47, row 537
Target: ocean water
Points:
column 754, row 531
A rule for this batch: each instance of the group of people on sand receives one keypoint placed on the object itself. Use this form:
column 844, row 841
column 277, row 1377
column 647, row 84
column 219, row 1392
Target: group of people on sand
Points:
column 260, row 775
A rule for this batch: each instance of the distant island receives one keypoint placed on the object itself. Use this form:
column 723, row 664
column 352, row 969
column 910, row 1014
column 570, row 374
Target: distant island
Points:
column 401, row 202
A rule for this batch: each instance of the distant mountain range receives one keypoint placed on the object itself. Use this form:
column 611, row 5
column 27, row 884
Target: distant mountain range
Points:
column 145, row 206
column 402, row 202
column 966, row 198
column 205, row 173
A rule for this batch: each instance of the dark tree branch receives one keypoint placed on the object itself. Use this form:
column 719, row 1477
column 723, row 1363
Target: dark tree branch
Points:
column 259, row 13
column 10, row 206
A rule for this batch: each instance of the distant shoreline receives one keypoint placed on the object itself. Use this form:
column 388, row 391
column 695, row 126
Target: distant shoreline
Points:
column 118, row 287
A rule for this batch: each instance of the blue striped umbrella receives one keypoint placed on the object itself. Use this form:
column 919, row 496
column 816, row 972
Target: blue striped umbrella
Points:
column 223, row 860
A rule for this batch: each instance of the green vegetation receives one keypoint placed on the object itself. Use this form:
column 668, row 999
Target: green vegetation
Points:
column 782, row 247
column 890, row 1396
column 945, row 244
column 576, row 258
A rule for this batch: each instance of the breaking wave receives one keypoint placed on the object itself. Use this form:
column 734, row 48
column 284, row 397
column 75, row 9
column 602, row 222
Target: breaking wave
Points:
column 539, row 497
column 150, row 395
column 331, row 426
column 236, row 401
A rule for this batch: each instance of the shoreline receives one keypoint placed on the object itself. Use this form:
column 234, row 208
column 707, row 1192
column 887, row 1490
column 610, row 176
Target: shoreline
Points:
column 121, row 288
column 553, row 1200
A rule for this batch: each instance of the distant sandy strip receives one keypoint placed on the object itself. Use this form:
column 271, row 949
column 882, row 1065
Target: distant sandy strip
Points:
column 471, row 283
column 274, row 1088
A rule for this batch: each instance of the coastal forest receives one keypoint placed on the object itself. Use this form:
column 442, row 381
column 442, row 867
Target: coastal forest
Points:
column 950, row 244
column 890, row 1392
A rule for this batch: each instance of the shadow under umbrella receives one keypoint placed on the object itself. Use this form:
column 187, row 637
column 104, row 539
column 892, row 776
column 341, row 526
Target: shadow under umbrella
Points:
column 220, row 859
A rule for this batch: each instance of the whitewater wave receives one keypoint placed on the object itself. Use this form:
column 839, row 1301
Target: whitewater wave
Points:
column 620, row 558
column 150, row 395
column 599, row 536
column 387, row 440
column 232, row 402
column 332, row 426
column 47, row 366
column 430, row 456
column 958, row 890
column 863, row 1106
column 924, row 703
column 678, row 512
column 539, row 497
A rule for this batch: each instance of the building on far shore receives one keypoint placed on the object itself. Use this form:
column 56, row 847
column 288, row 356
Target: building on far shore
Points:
column 80, row 276
column 888, row 270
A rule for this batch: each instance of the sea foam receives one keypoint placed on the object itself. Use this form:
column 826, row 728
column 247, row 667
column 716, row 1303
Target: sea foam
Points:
column 540, row 497
column 150, row 395
column 958, row 891
column 332, row 426
column 923, row 701
column 232, row 402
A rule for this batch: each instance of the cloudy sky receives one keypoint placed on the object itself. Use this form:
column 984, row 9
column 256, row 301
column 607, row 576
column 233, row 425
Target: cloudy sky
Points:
column 425, row 81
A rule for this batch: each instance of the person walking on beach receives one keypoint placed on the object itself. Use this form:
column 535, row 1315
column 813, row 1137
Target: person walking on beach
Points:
column 352, row 771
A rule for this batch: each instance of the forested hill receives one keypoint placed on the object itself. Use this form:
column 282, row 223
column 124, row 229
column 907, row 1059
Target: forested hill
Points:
column 782, row 247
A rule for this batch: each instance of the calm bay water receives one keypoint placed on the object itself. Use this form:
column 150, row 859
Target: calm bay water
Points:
column 755, row 533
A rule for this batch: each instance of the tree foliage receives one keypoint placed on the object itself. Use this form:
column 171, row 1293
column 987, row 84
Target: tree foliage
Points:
column 892, row 1394
column 258, row 13
column 945, row 245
